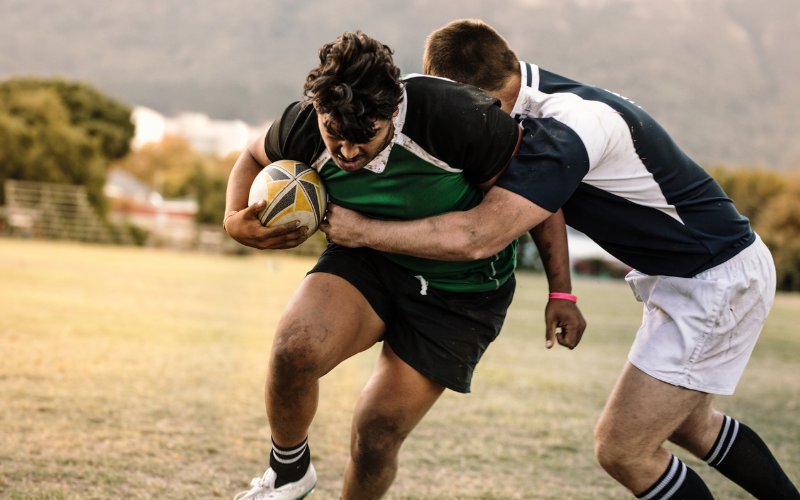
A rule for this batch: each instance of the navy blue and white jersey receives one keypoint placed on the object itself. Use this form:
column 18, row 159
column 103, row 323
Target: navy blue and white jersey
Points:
column 619, row 178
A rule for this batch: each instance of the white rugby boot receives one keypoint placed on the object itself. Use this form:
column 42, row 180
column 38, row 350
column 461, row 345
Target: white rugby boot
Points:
column 264, row 487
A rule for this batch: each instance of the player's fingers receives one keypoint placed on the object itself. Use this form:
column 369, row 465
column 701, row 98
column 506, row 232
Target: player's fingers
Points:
column 572, row 339
column 288, row 240
column 251, row 212
column 273, row 238
column 288, row 232
column 578, row 329
column 289, row 227
column 291, row 244
column 572, row 331
column 333, row 213
column 567, row 336
column 550, row 333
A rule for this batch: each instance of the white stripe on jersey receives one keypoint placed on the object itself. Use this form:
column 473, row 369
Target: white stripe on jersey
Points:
column 406, row 142
column 614, row 165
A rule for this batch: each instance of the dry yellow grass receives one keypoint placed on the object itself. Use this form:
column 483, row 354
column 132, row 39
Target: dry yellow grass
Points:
column 131, row 373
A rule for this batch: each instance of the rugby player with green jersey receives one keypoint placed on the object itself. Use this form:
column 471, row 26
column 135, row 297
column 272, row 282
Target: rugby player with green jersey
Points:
column 446, row 138
column 394, row 149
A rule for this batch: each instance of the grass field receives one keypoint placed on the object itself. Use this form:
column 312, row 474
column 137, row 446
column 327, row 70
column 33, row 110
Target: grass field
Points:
column 137, row 374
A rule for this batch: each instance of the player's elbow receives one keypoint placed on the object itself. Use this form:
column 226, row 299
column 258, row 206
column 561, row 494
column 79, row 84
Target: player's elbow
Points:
column 481, row 246
column 463, row 238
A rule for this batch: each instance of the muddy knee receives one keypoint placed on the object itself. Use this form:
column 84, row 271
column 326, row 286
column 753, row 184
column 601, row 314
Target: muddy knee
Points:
column 376, row 442
column 296, row 357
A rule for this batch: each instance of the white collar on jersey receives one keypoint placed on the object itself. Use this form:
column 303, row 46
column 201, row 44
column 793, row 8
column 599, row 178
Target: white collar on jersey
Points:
column 378, row 164
column 528, row 88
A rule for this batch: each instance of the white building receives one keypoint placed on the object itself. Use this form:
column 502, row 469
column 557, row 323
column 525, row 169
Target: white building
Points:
column 217, row 137
column 582, row 247
column 168, row 222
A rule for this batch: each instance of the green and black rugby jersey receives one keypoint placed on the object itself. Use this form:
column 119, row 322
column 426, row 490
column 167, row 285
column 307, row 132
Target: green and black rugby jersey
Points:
column 447, row 137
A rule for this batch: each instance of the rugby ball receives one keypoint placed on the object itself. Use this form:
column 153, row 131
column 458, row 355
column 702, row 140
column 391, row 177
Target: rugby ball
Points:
column 293, row 192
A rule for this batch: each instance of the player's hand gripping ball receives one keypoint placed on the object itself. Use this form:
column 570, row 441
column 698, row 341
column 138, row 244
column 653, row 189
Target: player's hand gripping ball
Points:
column 293, row 192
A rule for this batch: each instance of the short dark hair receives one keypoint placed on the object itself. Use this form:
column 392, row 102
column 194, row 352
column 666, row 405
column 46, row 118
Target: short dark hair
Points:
column 470, row 51
column 356, row 82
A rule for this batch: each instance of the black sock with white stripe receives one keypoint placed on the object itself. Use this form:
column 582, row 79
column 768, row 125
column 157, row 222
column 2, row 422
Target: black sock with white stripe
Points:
column 741, row 456
column 290, row 464
column 678, row 483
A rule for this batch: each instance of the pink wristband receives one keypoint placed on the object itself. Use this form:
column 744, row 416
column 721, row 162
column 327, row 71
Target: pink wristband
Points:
column 565, row 296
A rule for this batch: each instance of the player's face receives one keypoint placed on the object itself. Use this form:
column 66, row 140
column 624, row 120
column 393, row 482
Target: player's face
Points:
column 350, row 156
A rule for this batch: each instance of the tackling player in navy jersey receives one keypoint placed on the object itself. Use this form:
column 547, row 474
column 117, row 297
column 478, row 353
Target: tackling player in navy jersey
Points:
column 598, row 161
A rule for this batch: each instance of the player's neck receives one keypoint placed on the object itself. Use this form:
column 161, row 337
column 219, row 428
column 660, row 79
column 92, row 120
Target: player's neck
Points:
column 509, row 92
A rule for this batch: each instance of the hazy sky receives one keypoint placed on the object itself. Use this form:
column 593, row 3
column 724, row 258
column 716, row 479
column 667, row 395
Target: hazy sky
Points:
column 720, row 75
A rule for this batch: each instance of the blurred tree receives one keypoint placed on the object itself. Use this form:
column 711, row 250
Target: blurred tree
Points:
column 174, row 169
column 772, row 203
column 749, row 188
column 779, row 226
column 164, row 165
column 63, row 132
column 208, row 186
column 211, row 197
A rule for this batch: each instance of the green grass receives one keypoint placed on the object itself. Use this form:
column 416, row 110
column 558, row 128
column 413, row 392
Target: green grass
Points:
column 135, row 373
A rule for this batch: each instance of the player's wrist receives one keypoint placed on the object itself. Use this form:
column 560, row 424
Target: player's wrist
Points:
column 563, row 296
column 228, row 216
column 368, row 233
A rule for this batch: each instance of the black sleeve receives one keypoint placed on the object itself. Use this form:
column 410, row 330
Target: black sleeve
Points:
column 295, row 135
column 460, row 125
column 550, row 165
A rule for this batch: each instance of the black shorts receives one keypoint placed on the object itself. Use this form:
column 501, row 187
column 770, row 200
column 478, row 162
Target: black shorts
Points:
column 440, row 334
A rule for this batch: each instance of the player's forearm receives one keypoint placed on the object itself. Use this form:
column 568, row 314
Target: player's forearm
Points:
column 550, row 237
column 475, row 234
column 240, row 180
column 444, row 237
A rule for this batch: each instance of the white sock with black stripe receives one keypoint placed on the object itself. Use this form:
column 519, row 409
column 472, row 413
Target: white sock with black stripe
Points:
column 678, row 482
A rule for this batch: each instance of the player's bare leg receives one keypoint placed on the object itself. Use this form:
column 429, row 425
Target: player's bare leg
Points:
column 642, row 413
column 393, row 402
column 700, row 429
column 326, row 322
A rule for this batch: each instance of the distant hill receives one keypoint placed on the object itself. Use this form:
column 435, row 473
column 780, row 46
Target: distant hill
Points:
column 722, row 76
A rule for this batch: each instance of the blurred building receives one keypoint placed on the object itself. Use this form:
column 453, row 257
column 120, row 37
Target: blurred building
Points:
column 582, row 247
column 163, row 222
column 589, row 258
column 216, row 137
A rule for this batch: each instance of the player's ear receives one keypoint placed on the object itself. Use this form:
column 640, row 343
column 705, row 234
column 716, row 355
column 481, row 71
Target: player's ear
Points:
column 394, row 115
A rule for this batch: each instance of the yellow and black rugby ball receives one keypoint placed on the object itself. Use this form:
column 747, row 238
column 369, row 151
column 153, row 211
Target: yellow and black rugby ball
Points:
column 293, row 192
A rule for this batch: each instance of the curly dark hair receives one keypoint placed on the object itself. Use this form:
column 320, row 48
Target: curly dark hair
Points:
column 356, row 82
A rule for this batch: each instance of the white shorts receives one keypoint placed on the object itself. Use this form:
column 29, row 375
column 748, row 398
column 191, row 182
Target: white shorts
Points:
column 699, row 332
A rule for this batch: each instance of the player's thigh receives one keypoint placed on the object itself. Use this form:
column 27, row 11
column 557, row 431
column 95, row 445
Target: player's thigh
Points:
column 392, row 403
column 643, row 412
column 327, row 320
column 698, row 432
